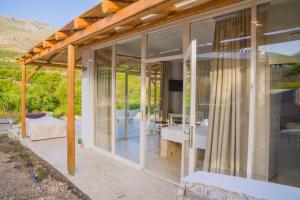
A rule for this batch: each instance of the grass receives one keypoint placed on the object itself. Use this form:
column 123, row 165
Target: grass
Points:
column 25, row 158
column 40, row 174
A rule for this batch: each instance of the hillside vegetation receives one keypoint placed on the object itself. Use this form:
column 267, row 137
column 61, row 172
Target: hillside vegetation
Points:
column 46, row 91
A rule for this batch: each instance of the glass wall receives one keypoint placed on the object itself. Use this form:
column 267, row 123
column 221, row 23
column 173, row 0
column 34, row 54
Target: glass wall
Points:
column 128, row 99
column 103, row 66
column 222, row 95
column 222, row 92
column 277, row 128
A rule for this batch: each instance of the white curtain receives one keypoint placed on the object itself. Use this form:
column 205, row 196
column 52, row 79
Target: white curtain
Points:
column 228, row 110
column 103, row 61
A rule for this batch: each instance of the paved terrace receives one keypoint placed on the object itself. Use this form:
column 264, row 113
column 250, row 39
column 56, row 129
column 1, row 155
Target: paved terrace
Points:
column 101, row 177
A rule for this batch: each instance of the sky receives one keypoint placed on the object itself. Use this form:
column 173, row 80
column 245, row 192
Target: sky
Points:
column 56, row 13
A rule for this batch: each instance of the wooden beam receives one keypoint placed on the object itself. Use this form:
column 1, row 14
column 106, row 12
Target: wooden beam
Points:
column 23, row 100
column 60, row 35
column 70, row 112
column 47, row 44
column 37, row 49
column 33, row 72
column 80, row 23
column 124, row 16
column 56, row 65
column 110, row 7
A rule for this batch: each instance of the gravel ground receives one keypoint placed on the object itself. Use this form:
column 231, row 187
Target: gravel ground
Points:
column 18, row 165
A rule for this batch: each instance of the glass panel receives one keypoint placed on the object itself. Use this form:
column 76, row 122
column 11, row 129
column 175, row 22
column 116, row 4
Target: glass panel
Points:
column 128, row 99
column 188, row 90
column 163, row 156
column 277, row 139
column 165, row 43
column 222, row 92
column 186, row 148
column 103, row 65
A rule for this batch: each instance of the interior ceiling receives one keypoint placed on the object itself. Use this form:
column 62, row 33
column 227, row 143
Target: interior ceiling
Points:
column 166, row 13
column 165, row 42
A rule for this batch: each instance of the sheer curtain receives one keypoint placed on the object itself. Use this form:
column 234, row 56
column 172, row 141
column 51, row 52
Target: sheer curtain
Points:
column 103, row 61
column 228, row 110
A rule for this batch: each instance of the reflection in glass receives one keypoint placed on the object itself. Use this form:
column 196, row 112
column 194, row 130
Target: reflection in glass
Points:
column 165, row 43
column 188, row 90
column 103, row 65
column 276, row 152
column 222, row 92
column 128, row 98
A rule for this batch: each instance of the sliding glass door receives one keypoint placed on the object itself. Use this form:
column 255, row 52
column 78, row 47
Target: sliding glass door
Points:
column 128, row 99
column 219, row 94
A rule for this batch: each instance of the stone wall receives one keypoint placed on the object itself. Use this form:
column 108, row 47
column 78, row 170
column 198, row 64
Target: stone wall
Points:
column 198, row 191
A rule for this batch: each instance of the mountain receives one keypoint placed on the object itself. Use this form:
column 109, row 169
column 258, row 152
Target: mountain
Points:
column 20, row 35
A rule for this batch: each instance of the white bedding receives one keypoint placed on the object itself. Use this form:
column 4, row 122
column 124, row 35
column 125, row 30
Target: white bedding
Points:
column 176, row 134
column 45, row 128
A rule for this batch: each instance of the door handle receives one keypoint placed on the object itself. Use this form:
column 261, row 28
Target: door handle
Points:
column 191, row 136
column 189, row 131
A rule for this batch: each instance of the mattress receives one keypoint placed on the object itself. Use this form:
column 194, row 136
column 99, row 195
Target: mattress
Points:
column 45, row 128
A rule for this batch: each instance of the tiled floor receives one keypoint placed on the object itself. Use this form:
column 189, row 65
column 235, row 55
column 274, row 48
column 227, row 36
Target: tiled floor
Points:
column 101, row 177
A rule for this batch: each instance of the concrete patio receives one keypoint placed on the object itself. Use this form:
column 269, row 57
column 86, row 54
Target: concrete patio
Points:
column 101, row 177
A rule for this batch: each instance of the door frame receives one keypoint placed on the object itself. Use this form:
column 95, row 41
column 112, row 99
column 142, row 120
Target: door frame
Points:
column 190, row 55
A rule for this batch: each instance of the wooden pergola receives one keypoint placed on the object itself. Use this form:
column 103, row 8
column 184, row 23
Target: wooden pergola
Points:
column 107, row 21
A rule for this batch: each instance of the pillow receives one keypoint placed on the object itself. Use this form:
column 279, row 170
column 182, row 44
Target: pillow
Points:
column 35, row 115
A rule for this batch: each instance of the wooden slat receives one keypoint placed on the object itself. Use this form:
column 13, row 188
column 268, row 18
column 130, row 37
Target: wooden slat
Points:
column 47, row 44
column 23, row 100
column 109, row 6
column 37, row 49
column 60, row 35
column 28, row 55
column 125, row 15
column 80, row 23
column 70, row 112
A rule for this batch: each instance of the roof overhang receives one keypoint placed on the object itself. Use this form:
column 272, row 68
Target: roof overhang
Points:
column 111, row 19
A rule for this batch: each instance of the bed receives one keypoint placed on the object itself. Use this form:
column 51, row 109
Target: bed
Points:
column 45, row 127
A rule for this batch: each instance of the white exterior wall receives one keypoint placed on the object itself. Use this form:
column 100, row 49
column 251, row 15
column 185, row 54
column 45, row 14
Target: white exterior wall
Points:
column 86, row 129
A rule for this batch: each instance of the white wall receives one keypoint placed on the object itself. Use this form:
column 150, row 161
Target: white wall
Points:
column 86, row 130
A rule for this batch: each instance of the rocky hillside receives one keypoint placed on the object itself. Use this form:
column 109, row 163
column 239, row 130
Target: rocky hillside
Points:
column 20, row 35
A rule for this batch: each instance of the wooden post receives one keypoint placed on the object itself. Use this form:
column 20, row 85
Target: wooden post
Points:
column 23, row 100
column 70, row 111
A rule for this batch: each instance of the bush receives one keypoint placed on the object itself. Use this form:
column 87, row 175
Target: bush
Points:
column 40, row 174
column 46, row 91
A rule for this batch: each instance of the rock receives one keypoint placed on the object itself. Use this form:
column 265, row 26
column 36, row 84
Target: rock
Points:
column 5, row 160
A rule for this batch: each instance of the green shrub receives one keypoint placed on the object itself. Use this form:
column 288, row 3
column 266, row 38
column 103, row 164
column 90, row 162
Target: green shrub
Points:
column 40, row 174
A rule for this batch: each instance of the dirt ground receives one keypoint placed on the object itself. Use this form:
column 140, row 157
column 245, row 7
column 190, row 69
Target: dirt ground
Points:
column 23, row 175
